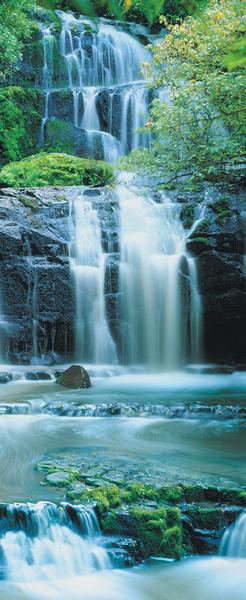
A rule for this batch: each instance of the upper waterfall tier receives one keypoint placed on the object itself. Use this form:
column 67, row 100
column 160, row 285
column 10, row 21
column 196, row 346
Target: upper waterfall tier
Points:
column 96, row 101
column 99, row 56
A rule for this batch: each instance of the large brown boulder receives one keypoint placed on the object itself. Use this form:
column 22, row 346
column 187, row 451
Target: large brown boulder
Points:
column 75, row 377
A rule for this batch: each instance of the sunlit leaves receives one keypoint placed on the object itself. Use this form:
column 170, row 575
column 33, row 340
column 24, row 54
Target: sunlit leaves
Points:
column 201, row 127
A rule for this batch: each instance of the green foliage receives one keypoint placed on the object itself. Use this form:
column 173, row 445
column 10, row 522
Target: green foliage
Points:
column 187, row 214
column 55, row 169
column 198, row 129
column 221, row 208
column 19, row 122
column 144, row 11
column 15, row 27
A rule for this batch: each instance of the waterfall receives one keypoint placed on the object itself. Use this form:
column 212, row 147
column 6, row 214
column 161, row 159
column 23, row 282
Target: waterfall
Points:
column 45, row 542
column 95, row 66
column 93, row 341
column 234, row 539
column 152, row 241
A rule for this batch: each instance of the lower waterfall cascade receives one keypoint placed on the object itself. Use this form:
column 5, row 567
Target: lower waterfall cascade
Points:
column 45, row 542
column 157, row 302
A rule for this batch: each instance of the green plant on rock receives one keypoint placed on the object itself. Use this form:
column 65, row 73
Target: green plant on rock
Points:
column 159, row 531
column 187, row 214
column 221, row 208
column 105, row 497
column 134, row 492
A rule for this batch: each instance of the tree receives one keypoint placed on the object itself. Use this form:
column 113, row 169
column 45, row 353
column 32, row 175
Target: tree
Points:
column 198, row 128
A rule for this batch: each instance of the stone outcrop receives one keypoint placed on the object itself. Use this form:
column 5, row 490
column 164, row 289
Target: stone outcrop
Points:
column 75, row 377
column 219, row 244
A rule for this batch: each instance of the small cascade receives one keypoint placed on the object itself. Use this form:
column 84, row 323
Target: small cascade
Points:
column 233, row 543
column 45, row 542
column 101, row 68
column 31, row 308
column 48, row 41
column 45, row 118
column 153, row 312
column 93, row 341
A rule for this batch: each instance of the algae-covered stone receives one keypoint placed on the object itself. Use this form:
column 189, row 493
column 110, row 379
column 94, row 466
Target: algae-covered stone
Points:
column 75, row 377
column 158, row 530
column 59, row 478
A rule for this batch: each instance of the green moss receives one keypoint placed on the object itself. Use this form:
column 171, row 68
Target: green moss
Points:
column 159, row 531
column 138, row 491
column 28, row 202
column 221, row 208
column 206, row 517
column 187, row 214
column 19, row 122
column 60, row 135
column 203, row 241
column 55, row 169
column 105, row 497
column 171, row 494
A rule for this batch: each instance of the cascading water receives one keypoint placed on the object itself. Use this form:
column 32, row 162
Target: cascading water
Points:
column 45, row 542
column 158, row 303
column 153, row 315
column 234, row 539
column 93, row 340
column 101, row 67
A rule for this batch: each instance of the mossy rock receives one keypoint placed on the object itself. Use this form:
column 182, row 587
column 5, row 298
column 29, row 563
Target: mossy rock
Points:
column 198, row 245
column 55, row 169
column 75, row 377
column 158, row 531
column 221, row 208
column 187, row 214
column 105, row 497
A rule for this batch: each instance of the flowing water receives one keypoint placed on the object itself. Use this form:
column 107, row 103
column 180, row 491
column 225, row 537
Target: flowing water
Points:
column 100, row 70
column 137, row 323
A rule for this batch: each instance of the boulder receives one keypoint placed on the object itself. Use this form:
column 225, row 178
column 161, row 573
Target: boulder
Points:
column 75, row 377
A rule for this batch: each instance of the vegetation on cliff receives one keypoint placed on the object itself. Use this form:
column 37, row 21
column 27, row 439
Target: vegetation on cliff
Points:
column 20, row 120
column 198, row 120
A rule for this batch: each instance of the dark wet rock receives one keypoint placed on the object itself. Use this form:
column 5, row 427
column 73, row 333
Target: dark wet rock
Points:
column 5, row 377
column 59, row 479
column 37, row 376
column 22, row 408
column 75, row 377
column 124, row 551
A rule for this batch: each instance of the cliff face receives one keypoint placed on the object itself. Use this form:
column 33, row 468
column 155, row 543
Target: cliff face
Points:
column 37, row 291
column 219, row 244
column 36, row 298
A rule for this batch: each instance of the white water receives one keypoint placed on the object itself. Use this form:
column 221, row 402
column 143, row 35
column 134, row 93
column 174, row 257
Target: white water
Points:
column 97, row 64
column 46, row 542
column 93, row 340
column 234, row 540
column 153, row 315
